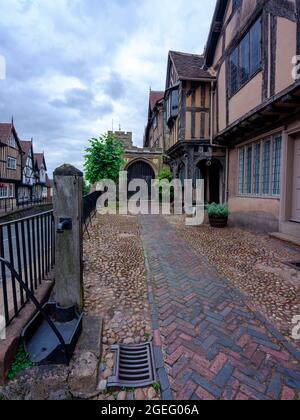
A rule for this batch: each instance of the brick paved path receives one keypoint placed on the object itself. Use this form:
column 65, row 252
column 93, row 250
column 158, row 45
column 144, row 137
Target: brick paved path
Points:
column 215, row 347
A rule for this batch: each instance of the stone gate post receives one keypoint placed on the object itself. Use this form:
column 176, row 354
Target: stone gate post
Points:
column 68, row 204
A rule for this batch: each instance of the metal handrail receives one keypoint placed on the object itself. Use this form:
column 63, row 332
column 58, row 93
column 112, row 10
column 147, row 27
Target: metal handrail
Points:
column 38, row 306
column 4, row 224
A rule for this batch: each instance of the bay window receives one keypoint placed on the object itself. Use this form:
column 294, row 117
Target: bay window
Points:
column 172, row 104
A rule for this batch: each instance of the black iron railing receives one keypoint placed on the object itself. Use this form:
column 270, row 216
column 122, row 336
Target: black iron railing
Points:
column 8, row 205
column 90, row 207
column 28, row 245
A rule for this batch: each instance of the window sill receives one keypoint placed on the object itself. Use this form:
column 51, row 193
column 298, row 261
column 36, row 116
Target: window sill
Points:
column 260, row 197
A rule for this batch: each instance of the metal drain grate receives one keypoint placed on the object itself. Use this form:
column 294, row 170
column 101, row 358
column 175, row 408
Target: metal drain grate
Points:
column 294, row 265
column 133, row 366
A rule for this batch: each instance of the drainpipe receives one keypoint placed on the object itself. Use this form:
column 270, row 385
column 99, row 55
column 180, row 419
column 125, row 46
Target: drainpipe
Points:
column 227, row 176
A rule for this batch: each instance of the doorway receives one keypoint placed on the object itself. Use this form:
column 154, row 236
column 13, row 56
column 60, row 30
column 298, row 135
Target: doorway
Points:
column 210, row 171
column 296, row 183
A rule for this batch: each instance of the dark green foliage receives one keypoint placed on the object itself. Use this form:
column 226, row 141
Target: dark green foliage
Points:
column 86, row 188
column 156, row 387
column 104, row 159
column 217, row 210
column 165, row 174
column 20, row 363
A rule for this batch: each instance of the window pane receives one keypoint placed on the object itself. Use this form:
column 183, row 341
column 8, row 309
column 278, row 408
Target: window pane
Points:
column 236, row 4
column 245, row 59
column 242, row 171
column 255, row 48
column 266, row 167
column 257, row 168
column 276, row 166
column 249, row 170
column 234, row 82
column 175, row 102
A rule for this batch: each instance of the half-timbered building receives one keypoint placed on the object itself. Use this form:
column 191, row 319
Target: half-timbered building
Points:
column 28, row 173
column 10, row 162
column 40, row 187
column 190, row 151
column 252, row 49
column 156, row 133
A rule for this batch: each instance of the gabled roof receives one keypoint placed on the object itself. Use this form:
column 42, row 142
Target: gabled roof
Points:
column 155, row 96
column 26, row 147
column 215, row 32
column 189, row 66
column 39, row 159
column 6, row 130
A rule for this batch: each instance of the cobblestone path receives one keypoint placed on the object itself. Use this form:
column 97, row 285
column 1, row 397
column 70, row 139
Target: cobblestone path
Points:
column 215, row 347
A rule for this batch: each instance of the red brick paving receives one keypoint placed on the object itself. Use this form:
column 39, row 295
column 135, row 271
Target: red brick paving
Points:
column 215, row 346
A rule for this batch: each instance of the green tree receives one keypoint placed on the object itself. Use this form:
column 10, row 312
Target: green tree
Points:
column 104, row 159
column 86, row 187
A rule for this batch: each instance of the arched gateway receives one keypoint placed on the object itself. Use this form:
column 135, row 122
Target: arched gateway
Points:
column 140, row 170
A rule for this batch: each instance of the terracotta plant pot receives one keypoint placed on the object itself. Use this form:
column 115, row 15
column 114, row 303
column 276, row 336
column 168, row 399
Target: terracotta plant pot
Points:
column 218, row 222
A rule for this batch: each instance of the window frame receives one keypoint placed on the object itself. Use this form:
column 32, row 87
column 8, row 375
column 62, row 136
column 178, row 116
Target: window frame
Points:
column 273, row 175
column 236, row 4
column 10, row 191
column 237, row 51
column 9, row 166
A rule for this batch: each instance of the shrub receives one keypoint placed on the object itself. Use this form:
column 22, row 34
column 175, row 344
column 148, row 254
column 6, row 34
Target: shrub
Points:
column 165, row 174
column 218, row 210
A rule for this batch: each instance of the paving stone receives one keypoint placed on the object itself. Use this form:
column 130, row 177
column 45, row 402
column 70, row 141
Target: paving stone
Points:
column 116, row 285
column 217, row 346
column 224, row 375
column 275, row 386
column 163, row 379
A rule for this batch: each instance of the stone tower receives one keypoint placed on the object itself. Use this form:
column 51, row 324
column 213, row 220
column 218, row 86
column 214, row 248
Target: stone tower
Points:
column 125, row 138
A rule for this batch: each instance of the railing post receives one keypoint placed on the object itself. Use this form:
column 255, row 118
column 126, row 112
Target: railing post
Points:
column 68, row 203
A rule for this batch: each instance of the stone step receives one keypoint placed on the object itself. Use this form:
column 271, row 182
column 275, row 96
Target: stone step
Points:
column 295, row 240
column 290, row 228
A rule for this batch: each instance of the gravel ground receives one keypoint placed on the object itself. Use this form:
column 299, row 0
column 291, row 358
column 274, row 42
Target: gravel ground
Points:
column 255, row 264
column 115, row 288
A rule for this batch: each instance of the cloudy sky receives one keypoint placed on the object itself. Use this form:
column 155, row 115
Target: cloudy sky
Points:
column 74, row 66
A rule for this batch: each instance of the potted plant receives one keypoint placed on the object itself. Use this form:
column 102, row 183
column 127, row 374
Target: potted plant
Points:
column 218, row 215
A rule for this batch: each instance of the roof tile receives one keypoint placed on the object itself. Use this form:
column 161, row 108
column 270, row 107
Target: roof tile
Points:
column 189, row 66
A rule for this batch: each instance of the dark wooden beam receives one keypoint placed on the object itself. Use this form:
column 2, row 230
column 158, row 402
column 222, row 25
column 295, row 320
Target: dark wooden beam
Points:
column 272, row 109
column 291, row 99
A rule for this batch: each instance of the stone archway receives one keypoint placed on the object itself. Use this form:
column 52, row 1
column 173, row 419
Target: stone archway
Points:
column 141, row 169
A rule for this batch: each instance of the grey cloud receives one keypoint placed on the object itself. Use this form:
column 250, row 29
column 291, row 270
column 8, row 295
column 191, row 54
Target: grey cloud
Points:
column 82, row 39
column 83, row 101
column 115, row 86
